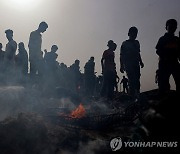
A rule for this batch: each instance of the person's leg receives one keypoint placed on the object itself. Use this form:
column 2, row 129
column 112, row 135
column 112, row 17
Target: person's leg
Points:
column 131, row 79
column 111, row 79
column 137, row 79
column 32, row 68
column 176, row 76
column 104, row 85
column 40, row 66
column 126, row 89
column 131, row 82
column 163, row 78
column 116, row 86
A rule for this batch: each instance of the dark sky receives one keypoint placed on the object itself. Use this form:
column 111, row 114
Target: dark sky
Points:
column 81, row 28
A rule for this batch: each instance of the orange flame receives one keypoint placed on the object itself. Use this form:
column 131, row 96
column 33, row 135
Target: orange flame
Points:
column 79, row 112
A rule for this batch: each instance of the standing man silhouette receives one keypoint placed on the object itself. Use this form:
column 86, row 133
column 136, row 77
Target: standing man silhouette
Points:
column 35, row 52
column 89, row 77
column 22, row 59
column 168, row 50
column 9, row 57
column 108, row 70
column 10, row 49
column 130, row 60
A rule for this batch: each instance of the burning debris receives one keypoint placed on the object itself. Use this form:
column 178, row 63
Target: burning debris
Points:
column 88, row 117
column 28, row 133
column 54, row 125
column 79, row 112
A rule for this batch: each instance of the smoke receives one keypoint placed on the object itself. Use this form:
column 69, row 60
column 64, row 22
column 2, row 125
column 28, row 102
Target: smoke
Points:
column 29, row 100
column 18, row 99
column 67, row 103
column 102, row 107
column 13, row 99
column 93, row 147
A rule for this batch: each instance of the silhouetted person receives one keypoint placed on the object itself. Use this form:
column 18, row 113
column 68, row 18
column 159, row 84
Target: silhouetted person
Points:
column 124, row 82
column 89, row 76
column 76, row 75
column 157, row 79
column 35, row 53
column 9, row 57
column 168, row 50
column 11, row 47
column 64, row 76
column 51, row 67
column 50, row 57
column 130, row 60
column 108, row 70
column 22, row 60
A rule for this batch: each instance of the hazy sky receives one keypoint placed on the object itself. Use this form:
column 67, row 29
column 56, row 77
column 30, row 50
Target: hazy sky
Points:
column 81, row 28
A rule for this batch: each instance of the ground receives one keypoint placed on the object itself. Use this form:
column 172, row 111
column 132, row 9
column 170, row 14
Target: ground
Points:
column 34, row 123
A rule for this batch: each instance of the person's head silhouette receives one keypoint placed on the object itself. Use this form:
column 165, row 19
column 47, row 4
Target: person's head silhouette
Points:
column 171, row 26
column 112, row 45
column 54, row 48
column 92, row 59
column 21, row 46
column 9, row 34
column 42, row 27
column 77, row 62
column 133, row 31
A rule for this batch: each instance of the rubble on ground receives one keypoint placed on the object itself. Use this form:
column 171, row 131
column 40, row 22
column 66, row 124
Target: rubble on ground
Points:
column 30, row 130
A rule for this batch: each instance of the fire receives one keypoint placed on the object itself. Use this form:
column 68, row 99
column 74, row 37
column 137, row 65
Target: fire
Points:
column 79, row 112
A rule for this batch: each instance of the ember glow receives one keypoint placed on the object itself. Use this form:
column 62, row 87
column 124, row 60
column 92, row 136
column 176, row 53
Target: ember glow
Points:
column 79, row 112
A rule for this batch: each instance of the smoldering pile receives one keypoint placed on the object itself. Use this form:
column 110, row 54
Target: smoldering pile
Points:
column 25, row 128
column 28, row 133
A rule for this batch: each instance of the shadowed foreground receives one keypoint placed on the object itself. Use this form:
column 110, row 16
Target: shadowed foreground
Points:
column 29, row 122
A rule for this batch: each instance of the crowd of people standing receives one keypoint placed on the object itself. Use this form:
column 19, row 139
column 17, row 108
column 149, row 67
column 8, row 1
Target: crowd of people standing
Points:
column 46, row 72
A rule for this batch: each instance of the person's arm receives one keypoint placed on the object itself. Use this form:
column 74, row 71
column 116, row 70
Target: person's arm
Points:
column 32, row 39
column 140, row 61
column 117, row 77
column 179, row 48
column 14, row 47
column 139, row 56
column 159, row 47
column 103, row 60
column 121, row 60
column 121, row 64
column 156, row 78
column 102, row 64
